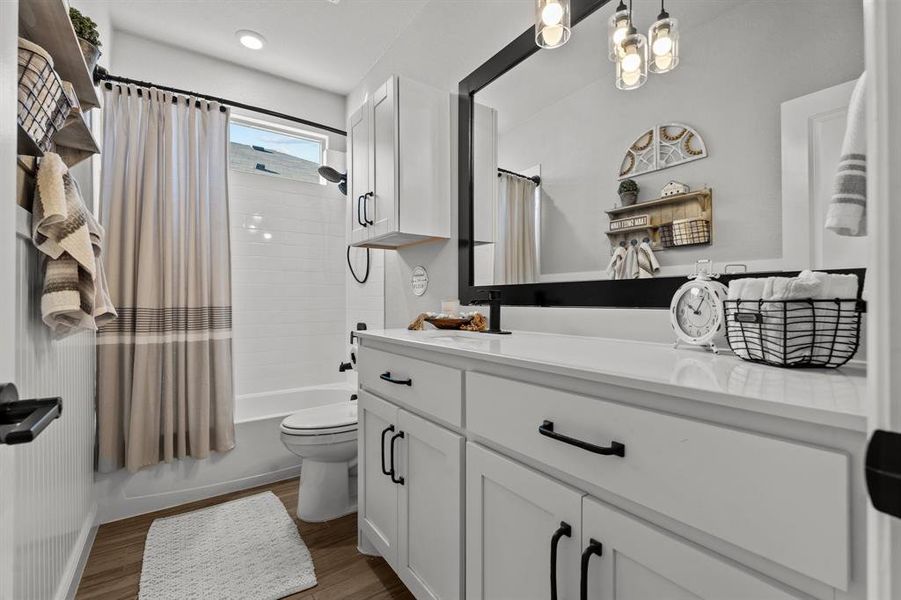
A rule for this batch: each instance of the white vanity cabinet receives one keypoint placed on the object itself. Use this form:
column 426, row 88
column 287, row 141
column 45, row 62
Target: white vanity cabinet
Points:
column 637, row 484
column 411, row 496
column 399, row 166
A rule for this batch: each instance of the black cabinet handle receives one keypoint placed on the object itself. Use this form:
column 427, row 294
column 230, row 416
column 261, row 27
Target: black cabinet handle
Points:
column 359, row 213
column 595, row 548
column 385, row 432
column 366, row 220
column 386, row 376
column 564, row 530
column 394, row 438
column 614, row 449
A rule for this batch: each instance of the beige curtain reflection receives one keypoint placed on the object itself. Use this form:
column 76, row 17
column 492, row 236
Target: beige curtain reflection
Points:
column 164, row 388
column 516, row 248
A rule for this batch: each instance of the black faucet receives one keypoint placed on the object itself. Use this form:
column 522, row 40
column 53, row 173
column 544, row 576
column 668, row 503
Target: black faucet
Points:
column 494, row 312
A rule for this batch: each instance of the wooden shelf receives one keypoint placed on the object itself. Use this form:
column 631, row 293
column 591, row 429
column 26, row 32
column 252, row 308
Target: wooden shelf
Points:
column 699, row 195
column 46, row 23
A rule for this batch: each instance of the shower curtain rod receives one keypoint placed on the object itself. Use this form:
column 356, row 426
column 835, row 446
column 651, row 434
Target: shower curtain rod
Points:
column 101, row 74
column 534, row 178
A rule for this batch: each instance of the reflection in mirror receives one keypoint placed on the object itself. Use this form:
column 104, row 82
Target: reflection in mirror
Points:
column 553, row 140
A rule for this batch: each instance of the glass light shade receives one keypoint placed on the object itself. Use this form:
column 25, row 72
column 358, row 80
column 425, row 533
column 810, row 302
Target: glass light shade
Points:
column 552, row 23
column 664, row 45
column 632, row 62
column 617, row 29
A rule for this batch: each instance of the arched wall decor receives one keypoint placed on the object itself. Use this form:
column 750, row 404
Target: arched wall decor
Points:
column 662, row 147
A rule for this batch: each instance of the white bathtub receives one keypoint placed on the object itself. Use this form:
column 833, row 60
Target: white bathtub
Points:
column 259, row 457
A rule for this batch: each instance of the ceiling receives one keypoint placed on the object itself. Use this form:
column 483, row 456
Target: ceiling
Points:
column 317, row 42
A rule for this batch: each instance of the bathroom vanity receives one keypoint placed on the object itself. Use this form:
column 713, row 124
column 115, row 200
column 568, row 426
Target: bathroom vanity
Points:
column 500, row 466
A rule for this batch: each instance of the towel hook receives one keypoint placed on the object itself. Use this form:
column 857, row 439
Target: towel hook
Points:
column 622, row 243
column 633, row 241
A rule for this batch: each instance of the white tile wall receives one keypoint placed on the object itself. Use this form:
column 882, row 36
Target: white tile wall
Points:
column 52, row 477
column 288, row 282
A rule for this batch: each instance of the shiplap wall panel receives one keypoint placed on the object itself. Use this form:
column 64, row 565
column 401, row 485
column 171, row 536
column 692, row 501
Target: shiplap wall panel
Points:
column 53, row 499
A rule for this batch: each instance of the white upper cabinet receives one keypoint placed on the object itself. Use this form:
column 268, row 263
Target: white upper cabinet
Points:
column 400, row 166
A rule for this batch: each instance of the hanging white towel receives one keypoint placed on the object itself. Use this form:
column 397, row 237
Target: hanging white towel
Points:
column 647, row 262
column 630, row 266
column 847, row 214
column 617, row 261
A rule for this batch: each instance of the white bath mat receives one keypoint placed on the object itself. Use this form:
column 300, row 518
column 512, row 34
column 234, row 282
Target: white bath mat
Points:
column 246, row 549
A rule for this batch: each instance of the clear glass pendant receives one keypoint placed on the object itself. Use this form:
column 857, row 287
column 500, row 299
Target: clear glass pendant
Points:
column 552, row 23
column 617, row 28
column 664, row 44
column 632, row 61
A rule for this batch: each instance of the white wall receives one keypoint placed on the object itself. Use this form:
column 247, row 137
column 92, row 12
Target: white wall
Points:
column 471, row 32
column 288, row 289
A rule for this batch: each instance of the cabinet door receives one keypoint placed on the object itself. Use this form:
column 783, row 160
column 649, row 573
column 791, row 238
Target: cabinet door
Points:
column 431, row 509
column 358, row 130
column 638, row 561
column 381, row 208
column 513, row 516
column 377, row 493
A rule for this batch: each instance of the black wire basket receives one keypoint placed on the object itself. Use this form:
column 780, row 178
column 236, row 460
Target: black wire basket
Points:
column 42, row 103
column 794, row 333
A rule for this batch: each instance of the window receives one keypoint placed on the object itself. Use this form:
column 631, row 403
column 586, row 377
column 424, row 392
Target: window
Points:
column 268, row 149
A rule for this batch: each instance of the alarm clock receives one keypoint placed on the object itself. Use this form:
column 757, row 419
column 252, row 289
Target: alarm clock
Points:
column 697, row 309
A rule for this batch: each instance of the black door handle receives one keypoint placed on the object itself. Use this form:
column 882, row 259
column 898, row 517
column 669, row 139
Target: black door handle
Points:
column 385, row 431
column 386, row 376
column 365, row 210
column 614, row 449
column 595, row 548
column 563, row 530
column 394, row 438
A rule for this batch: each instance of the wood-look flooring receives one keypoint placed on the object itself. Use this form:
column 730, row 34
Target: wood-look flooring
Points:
column 113, row 570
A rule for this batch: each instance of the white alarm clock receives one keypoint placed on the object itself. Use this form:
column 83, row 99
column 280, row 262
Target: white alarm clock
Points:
column 697, row 309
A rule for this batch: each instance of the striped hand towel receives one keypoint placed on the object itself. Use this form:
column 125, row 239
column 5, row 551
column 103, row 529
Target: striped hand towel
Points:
column 847, row 214
column 74, row 295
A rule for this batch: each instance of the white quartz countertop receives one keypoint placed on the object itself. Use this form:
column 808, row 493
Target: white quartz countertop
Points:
column 834, row 397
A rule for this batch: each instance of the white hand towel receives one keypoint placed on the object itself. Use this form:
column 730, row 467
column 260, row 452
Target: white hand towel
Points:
column 615, row 267
column 647, row 262
column 847, row 214
column 630, row 268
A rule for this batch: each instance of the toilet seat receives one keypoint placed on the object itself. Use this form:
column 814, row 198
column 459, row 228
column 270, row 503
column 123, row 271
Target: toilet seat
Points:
column 329, row 419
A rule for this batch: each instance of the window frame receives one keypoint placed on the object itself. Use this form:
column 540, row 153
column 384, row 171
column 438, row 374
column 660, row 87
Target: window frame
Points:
column 282, row 129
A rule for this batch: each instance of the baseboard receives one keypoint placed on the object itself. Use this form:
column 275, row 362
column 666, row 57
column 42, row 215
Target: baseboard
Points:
column 78, row 558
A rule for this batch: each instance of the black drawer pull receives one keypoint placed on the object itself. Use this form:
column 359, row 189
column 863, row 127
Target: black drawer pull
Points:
column 366, row 221
column 614, row 449
column 386, row 376
column 385, row 432
column 595, row 548
column 394, row 438
column 564, row 530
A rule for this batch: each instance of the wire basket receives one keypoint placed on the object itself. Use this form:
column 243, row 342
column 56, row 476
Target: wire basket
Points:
column 689, row 232
column 42, row 103
column 794, row 333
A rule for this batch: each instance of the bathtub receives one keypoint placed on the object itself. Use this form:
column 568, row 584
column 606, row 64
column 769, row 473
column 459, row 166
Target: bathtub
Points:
column 259, row 457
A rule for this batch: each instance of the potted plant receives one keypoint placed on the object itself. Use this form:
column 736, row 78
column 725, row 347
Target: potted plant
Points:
column 628, row 192
column 88, row 37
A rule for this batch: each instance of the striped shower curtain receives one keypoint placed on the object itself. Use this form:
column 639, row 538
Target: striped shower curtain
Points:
column 164, row 382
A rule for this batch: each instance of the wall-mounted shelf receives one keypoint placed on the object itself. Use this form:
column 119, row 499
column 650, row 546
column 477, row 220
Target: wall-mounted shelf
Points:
column 47, row 24
column 75, row 142
column 662, row 212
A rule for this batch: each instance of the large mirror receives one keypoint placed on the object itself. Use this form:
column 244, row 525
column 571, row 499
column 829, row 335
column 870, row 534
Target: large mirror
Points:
column 733, row 152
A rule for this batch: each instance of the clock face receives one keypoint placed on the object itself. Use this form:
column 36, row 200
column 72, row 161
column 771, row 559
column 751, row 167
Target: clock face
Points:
column 697, row 312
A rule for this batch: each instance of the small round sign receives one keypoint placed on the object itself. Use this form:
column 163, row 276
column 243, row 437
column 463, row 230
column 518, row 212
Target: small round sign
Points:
column 419, row 280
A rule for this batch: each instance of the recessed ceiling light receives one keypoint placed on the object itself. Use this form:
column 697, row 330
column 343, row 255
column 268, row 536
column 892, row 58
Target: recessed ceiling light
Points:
column 250, row 39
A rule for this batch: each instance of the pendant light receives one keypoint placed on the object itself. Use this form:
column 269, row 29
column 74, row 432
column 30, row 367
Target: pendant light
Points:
column 632, row 58
column 617, row 28
column 664, row 43
column 552, row 23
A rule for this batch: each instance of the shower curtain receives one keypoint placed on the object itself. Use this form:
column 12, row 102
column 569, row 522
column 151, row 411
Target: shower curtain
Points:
column 164, row 381
column 516, row 250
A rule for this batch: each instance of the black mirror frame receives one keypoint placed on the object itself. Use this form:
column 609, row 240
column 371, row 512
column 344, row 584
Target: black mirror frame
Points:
column 630, row 293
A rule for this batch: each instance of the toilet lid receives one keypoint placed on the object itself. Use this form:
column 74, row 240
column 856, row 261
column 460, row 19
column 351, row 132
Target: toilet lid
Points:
column 319, row 420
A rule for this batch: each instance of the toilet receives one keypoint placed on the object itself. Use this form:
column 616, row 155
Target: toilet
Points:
column 326, row 438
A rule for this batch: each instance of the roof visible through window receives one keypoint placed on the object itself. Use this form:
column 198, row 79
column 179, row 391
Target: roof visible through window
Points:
column 263, row 151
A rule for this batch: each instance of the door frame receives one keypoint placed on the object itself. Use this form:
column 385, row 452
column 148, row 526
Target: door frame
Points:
column 882, row 19
column 9, row 25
